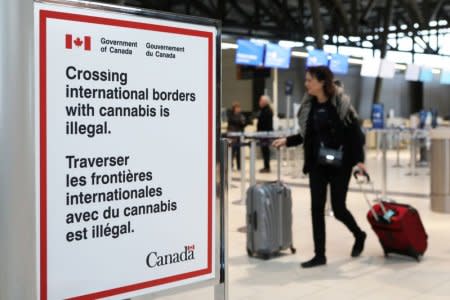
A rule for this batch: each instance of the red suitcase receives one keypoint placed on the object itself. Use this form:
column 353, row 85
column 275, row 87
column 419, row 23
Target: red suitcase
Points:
column 398, row 227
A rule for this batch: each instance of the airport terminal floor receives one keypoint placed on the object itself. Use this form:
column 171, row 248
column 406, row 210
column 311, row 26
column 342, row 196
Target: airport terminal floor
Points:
column 371, row 276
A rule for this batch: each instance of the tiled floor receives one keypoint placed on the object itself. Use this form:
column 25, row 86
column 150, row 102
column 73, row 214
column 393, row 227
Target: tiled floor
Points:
column 369, row 277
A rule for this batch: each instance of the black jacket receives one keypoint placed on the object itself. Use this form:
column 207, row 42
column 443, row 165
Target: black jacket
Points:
column 236, row 122
column 352, row 142
column 265, row 119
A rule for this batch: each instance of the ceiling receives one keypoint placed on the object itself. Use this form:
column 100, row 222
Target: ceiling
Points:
column 316, row 21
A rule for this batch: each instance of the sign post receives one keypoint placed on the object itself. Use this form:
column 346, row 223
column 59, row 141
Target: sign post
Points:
column 126, row 137
column 17, row 146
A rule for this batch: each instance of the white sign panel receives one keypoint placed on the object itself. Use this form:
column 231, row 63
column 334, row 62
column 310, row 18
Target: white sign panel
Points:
column 387, row 69
column 125, row 118
column 370, row 67
column 412, row 72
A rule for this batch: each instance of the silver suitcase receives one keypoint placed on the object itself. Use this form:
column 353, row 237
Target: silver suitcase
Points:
column 269, row 219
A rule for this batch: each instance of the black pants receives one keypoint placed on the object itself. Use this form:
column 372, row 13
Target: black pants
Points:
column 266, row 156
column 236, row 153
column 265, row 150
column 338, row 178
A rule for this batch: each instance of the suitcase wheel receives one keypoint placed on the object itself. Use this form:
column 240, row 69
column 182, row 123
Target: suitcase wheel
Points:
column 415, row 254
column 265, row 256
column 386, row 252
column 293, row 250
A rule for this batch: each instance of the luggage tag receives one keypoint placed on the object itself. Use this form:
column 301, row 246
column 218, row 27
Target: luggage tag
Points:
column 388, row 215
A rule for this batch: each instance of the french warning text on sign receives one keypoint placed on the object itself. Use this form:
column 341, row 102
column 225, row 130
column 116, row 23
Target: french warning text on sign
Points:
column 126, row 127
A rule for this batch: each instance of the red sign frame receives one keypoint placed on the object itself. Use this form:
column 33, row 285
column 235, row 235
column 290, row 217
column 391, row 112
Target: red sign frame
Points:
column 45, row 15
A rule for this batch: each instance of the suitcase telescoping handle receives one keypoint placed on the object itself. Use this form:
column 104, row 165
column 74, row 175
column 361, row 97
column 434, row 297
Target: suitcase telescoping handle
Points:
column 360, row 182
column 278, row 164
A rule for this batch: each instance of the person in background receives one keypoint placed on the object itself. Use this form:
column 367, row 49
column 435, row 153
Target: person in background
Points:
column 265, row 123
column 236, row 123
column 327, row 119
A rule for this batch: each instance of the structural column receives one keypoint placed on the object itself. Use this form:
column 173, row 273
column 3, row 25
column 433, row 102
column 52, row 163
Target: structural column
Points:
column 317, row 22
column 383, row 49
column 17, row 163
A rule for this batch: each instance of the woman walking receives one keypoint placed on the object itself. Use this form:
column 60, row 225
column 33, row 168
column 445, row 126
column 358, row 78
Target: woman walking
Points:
column 333, row 145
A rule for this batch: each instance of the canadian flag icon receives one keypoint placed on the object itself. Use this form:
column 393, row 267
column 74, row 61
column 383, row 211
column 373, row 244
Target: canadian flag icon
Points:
column 77, row 42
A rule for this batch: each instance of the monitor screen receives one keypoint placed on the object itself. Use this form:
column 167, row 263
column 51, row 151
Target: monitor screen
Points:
column 426, row 74
column 277, row 57
column 412, row 72
column 249, row 53
column 445, row 76
column 317, row 58
column 339, row 64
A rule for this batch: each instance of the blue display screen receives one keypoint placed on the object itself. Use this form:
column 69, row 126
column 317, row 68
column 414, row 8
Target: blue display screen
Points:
column 339, row 64
column 317, row 58
column 249, row 53
column 445, row 76
column 426, row 74
column 377, row 115
column 277, row 57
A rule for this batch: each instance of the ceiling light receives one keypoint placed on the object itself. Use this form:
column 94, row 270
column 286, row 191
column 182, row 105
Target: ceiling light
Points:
column 354, row 38
column 299, row 54
column 226, row 46
column 259, row 41
column 290, row 44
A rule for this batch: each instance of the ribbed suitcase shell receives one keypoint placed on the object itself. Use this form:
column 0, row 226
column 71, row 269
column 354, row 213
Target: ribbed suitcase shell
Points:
column 405, row 233
column 269, row 219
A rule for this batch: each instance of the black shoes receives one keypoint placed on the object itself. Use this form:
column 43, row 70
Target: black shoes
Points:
column 264, row 170
column 358, row 247
column 314, row 262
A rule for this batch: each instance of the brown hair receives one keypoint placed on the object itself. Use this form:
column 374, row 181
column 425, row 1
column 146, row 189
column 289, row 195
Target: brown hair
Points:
column 323, row 73
column 234, row 106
